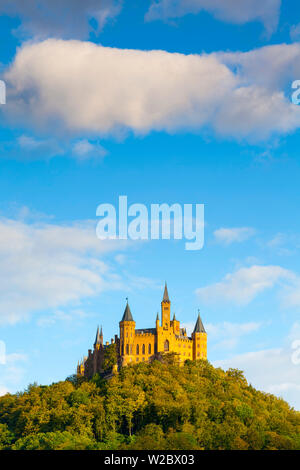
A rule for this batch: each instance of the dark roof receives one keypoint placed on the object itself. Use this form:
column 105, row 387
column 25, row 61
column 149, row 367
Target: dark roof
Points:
column 174, row 317
column 157, row 317
column 127, row 316
column 97, row 339
column 199, row 328
column 146, row 330
column 166, row 294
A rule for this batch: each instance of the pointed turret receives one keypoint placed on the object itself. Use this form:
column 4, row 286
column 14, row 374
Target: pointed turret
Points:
column 199, row 328
column 97, row 339
column 157, row 317
column 174, row 317
column 127, row 316
column 165, row 309
column 166, row 294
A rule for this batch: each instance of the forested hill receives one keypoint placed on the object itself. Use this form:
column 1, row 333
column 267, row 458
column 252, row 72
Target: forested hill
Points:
column 150, row 406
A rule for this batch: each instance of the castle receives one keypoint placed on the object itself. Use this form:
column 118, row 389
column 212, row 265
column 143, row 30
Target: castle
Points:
column 135, row 345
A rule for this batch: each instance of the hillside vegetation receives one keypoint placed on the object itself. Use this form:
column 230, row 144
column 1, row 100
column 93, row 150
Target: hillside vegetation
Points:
column 149, row 406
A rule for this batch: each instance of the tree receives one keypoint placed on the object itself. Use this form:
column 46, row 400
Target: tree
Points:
column 110, row 357
column 149, row 406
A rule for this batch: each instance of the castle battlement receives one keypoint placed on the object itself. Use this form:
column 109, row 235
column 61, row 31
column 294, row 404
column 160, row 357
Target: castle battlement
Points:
column 144, row 345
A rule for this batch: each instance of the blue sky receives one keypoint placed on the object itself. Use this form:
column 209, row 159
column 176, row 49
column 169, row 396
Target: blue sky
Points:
column 178, row 104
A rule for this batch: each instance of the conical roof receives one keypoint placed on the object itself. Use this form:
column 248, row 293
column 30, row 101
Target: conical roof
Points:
column 166, row 294
column 127, row 316
column 199, row 328
column 97, row 339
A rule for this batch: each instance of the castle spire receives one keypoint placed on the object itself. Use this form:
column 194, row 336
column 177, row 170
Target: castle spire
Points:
column 127, row 316
column 97, row 339
column 174, row 317
column 199, row 328
column 166, row 294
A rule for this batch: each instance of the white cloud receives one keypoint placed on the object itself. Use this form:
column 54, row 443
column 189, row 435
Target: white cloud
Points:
column 233, row 11
column 62, row 316
column 87, row 88
column 270, row 68
column 32, row 148
column 46, row 266
column 230, row 235
column 54, row 18
column 3, row 390
column 245, row 284
column 84, row 149
column 227, row 335
column 28, row 148
column 269, row 370
column 12, row 373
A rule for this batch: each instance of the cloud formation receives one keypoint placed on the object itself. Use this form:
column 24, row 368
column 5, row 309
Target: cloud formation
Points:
column 29, row 148
column 231, row 235
column 12, row 373
column 86, row 88
column 232, row 11
column 84, row 150
column 46, row 266
column 227, row 335
column 61, row 19
column 270, row 370
column 245, row 284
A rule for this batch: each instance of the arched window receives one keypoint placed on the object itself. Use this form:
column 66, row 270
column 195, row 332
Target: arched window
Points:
column 137, row 349
column 131, row 349
column 149, row 349
column 166, row 345
column 143, row 349
column 127, row 348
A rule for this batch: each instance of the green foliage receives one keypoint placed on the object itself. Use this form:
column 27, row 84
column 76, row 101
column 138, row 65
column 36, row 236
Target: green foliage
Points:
column 149, row 406
column 6, row 437
column 55, row 441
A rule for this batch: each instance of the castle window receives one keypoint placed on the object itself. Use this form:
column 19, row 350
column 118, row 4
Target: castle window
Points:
column 131, row 349
column 143, row 349
column 166, row 345
column 127, row 348
column 137, row 349
column 137, row 359
column 149, row 349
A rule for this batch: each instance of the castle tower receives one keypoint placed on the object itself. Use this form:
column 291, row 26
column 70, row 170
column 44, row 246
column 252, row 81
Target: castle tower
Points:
column 176, row 325
column 199, row 338
column 127, row 334
column 165, row 310
column 99, row 339
column 157, row 321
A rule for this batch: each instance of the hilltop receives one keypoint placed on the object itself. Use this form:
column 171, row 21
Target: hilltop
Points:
column 149, row 406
